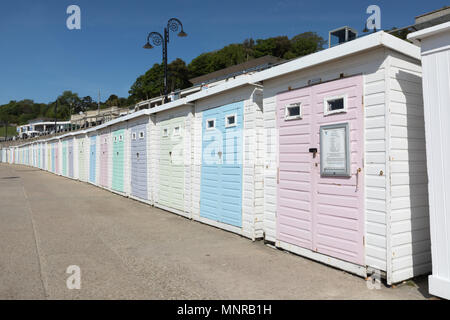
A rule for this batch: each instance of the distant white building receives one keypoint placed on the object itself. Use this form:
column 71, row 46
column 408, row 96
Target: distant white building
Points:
column 38, row 127
column 93, row 118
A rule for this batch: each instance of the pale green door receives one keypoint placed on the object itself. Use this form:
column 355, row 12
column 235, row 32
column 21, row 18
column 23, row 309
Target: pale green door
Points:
column 171, row 164
column 118, row 160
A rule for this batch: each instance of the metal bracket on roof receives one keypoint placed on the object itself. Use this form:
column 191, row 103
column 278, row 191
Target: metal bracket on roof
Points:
column 256, row 84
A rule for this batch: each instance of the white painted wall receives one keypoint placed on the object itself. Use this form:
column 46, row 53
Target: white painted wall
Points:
column 152, row 182
column 410, row 246
column 435, row 43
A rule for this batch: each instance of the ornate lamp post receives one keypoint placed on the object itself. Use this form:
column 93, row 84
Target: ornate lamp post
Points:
column 157, row 39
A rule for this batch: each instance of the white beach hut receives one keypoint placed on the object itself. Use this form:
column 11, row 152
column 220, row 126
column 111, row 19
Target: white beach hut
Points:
column 435, row 44
column 345, row 170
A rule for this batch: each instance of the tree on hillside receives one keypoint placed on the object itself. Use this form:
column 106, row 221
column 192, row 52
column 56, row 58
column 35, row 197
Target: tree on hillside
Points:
column 248, row 47
column 112, row 101
column 402, row 33
column 304, row 44
column 151, row 83
column 70, row 103
column 88, row 104
column 201, row 65
column 178, row 75
column 281, row 47
column 276, row 47
column 5, row 120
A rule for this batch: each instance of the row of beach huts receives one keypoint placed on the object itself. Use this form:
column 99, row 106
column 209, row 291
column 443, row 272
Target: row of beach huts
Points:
column 323, row 156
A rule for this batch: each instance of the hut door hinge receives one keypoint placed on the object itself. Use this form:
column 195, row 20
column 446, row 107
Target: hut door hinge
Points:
column 278, row 175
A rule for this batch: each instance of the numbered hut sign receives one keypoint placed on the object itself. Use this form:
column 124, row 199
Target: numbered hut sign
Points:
column 334, row 150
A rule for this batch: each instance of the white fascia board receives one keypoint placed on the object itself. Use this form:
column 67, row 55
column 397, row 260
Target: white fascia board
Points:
column 401, row 46
column 167, row 106
column 428, row 32
column 161, row 98
column 231, row 84
column 78, row 133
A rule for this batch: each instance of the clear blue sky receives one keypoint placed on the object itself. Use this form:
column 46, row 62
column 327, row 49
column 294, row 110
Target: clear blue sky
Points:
column 40, row 57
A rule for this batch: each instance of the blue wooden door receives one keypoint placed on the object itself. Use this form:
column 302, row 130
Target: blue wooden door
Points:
column 138, row 157
column 221, row 180
column 92, row 155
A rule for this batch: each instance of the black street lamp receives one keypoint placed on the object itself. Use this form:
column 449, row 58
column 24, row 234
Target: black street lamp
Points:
column 56, row 106
column 157, row 39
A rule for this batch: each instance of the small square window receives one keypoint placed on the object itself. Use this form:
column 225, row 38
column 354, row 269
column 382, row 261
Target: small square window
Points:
column 165, row 132
column 176, row 131
column 120, row 137
column 230, row 121
column 210, row 124
column 133, row 136
column 141, row 135
column 336, row 104
column 293, row 111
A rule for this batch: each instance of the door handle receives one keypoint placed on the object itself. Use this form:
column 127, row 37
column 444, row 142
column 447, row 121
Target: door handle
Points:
column 357, row 179
column 313, row 151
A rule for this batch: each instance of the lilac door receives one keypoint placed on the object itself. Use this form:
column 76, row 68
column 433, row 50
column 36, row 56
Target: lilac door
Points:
column 138, row 158
column 103, row 178
column 314, row 211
